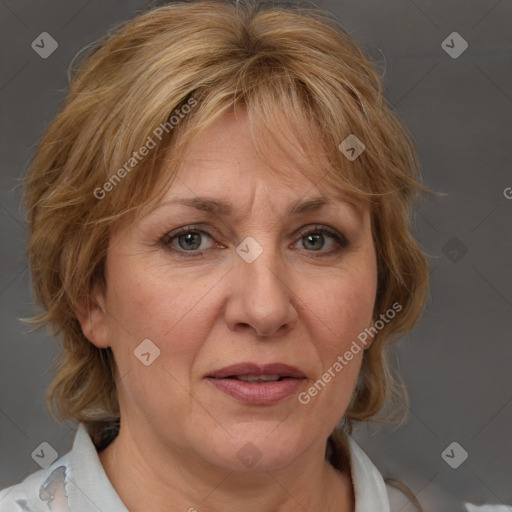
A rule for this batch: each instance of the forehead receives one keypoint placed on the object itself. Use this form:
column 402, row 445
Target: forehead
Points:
column 224, row 166
column 240, row 189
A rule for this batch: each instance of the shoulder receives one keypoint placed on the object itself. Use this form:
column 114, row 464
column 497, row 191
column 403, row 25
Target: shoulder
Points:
column 36, row 491
column 75, row 482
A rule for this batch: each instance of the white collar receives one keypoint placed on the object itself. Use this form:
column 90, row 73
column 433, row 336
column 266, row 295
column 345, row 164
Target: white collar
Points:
column 369, row 487
column 88, row 487
column 87, row 484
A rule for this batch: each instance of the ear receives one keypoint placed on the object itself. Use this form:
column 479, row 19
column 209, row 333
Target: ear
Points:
column 93, row 319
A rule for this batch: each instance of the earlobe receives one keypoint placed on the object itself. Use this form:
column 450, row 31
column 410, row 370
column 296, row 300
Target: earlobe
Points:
column 93, row 319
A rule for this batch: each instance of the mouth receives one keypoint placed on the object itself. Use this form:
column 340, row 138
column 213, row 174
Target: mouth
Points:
column 258, row 378
column 272, row 371
column 257, row 384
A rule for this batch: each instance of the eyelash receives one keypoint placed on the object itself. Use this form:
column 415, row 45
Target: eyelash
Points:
column 340, row 239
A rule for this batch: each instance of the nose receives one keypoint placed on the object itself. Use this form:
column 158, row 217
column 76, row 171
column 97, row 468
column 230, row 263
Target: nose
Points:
column 261, row 298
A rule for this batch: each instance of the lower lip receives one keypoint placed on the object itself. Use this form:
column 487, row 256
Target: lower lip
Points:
column 259, row 393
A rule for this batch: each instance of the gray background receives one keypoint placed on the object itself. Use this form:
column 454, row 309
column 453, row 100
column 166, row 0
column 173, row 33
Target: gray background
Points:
column 456, row 363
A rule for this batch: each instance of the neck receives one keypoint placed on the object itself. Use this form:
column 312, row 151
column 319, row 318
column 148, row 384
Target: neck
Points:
column 192, row 485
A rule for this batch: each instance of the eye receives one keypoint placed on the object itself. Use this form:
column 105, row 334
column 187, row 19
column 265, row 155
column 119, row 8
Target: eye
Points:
column 187, row 239
column 314, row 240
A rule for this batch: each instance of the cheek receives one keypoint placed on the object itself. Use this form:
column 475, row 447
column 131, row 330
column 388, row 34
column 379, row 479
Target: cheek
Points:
column 340, row 311
column 358, row 294
column 137, row 293
column 345, row 308
column 143, row 305
column 355, row 309
column 145, row 302
column 340, row 318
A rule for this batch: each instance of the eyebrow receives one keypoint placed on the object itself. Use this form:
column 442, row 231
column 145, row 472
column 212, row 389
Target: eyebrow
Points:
column 216, row 207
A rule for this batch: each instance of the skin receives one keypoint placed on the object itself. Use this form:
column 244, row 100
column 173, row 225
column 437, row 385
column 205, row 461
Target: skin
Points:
column 179, row 435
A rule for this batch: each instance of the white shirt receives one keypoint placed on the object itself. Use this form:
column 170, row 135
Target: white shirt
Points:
column 77, row 482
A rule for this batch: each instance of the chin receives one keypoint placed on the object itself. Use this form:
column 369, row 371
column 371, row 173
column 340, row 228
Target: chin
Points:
column 256, row 452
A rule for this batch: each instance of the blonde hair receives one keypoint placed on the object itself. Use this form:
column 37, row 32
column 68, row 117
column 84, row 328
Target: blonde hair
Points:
column 306, row 86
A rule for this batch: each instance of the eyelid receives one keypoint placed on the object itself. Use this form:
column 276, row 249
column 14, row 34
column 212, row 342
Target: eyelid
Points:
column 201, row 228
column 337, row 235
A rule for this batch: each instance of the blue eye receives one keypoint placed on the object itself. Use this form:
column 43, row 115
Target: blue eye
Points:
column 315, row 239
column 188, row 241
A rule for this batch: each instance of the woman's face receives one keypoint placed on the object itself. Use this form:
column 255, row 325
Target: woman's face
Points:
column 244, row 285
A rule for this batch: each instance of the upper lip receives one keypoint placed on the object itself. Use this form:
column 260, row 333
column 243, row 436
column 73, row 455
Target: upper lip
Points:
column 281, row 369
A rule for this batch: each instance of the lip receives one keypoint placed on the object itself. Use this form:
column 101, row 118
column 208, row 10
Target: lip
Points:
column 257, row 393
column 282, row 369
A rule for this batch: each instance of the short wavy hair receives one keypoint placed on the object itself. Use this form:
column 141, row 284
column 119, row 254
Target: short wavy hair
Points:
column 306, row 86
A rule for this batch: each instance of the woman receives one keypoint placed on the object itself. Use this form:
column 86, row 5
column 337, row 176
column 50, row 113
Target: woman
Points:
column 219, row 232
